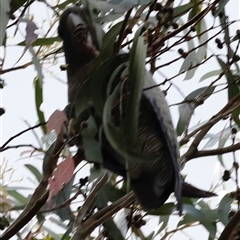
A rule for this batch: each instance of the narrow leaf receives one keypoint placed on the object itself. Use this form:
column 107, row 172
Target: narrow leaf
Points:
column 224, row 209
column 38, row 102
column 136, row 79
column 34, row 171
column 4, row 16
column 92, row 148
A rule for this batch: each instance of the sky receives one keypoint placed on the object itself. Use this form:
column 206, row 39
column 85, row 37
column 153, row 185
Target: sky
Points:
column 17, row 98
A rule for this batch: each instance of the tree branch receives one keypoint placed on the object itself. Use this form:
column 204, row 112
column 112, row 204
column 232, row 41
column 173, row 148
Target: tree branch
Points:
column 230, row 227
column 20, row 133
column 233, row 104
column 217, row 151
column 34, row 204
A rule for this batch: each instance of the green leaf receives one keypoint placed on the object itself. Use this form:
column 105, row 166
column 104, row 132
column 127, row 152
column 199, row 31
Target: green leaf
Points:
column 42, row 41
column 99, row 86
column 202, row 51
column 38, row 102
column 18, row 196
column 61, row 197
column 66, row 235
column 225, row 133
column 83, row 101
column 18, row 207
column 50, row 155
column 224, row 208
column 150, row 236
column 187, row 108
column 37, row 65
column 221, row 6
column 189, row 62
column 233, row 88
column 166, row 209
column 112, row 230
column 34, row 171
column 195, row 9
column 182, row 10
column 210, row 74
column 193, row 215
column 136, row 79
column 164, row 221
column 108, row 42
column 113, row 193
column 92, row 148
column 4, row 16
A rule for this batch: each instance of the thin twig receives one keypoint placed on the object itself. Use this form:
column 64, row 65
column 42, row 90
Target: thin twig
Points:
column 20, row 133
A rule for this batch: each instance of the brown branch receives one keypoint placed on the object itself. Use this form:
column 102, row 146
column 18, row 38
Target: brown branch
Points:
column 83, row 230
column 232, row 105
column 21, row 145
column 20, row 133
column 217, row 151
column 16, row 68
column 211, row 122
column 227, row 231
column 66, row 203
column 34, row 204
column 82, row 212
column 178, row 229
column 195, row 19
column 25, row 217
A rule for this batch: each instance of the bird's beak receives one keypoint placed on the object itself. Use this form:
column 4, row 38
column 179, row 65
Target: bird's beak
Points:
column 73, row 21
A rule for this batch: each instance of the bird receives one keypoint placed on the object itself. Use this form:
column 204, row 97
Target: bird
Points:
column 152, row 181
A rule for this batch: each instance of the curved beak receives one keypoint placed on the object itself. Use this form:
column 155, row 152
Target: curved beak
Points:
column 73, row 20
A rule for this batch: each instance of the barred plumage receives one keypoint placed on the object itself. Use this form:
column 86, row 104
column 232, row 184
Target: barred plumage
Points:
column 151, row 181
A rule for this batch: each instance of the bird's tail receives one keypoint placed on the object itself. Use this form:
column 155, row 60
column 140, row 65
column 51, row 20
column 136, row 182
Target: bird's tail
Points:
column 190, row 191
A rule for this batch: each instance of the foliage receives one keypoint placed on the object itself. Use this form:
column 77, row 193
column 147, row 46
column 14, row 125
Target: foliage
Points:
column 160, row 28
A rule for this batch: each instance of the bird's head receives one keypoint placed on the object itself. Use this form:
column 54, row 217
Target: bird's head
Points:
column 79, row 38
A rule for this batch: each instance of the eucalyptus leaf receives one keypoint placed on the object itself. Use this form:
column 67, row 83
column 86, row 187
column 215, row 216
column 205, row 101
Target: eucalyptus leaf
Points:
column 99, row 85
column 221, row 6
column 42, row 41
column 164, row 222
column 34, row 171
column 92, row 148
column 233, row 88
column 113, row 231
column 210, row 74
column 18, row 196
column 83, row 100
column 202, row 50
column 166, row 209
column 4, row 16
column 224, row 208
column 182, row 10
column 193, row 215
column 62, row 196
column 136, row 79
column 186, row 109
column 190, row 61
column 108, row 42
column 38, row 103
